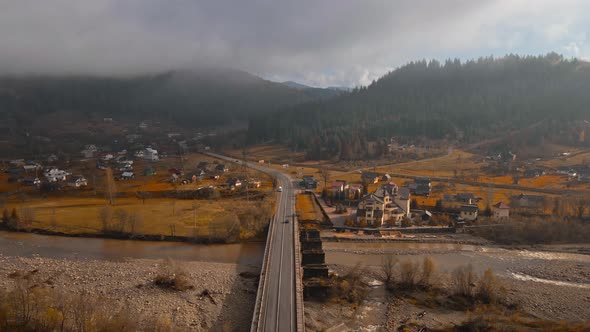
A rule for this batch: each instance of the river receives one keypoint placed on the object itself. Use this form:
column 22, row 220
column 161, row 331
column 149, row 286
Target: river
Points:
column 558, row 268
column 28, row 245
column 516, row 264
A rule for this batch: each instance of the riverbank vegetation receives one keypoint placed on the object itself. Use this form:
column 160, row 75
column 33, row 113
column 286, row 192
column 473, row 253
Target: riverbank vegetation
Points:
column 537, row 231
column 33, row 304
column 199, row 221
column 462, row 300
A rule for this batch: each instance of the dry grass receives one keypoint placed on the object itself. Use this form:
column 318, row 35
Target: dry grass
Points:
column 32, row 305
column 307, row 208
column 80, row 211
column 158, row 216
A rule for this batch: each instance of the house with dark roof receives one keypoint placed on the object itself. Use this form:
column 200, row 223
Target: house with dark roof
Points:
column 421, row 187
column 468, row 212
column 523, row 201
column 454, row 202
column 221, row 168
column 534, row 173
column 385, row 206
column 77, row 181
column 309, row 182
column 370, row 177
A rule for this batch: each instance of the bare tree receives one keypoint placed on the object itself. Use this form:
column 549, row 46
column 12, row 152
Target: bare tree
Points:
column 388, row 264
column 121, row 217
column 463, row 280
column 135, row 222
column 111, row 187
column 408, row 273
column 105, row 214
column 325, row 175
column 428, row 270
column 27, row 216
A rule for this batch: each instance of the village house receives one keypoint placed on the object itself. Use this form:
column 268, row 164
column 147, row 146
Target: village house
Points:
column 354, row 192
column 127, row 176
column 77, row 181
column 534, row 173
column 468, row 212
column 500, row 212
column 52, row 158
column 309, row 182
column 421, row 187
column 254, row 184
column 151, row 154
column 337, row 188
column 150, row 171
column 370, row 177
column 31, row 181
column 17, row 162
column 203, row 164
column 55, row 175
column 221, row 168
column 234, row 183
column 454, row 202
column 388, row 205
column 32, row 166
column 87, row 153
column 528, row 202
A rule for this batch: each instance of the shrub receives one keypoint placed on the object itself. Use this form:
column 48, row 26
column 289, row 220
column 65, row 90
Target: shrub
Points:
column 409, row 271
column 489, row 290
column 428, row 271
column 351, row 286
column 463, row 280
column 172, row 276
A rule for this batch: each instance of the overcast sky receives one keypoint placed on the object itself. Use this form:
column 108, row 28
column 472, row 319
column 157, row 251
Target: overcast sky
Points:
column 315, row 42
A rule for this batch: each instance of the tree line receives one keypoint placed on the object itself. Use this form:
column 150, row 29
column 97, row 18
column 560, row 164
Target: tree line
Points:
column 428, row 100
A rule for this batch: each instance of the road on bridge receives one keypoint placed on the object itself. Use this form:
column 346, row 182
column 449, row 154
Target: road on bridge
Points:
column 278, row 308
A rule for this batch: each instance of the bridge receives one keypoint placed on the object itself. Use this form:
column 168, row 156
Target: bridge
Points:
column 279, row 300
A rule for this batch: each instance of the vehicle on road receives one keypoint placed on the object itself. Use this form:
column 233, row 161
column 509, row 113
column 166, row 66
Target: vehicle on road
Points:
column 280, row 189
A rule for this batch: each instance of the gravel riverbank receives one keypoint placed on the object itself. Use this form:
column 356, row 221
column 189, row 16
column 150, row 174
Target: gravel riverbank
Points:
column 129, row 283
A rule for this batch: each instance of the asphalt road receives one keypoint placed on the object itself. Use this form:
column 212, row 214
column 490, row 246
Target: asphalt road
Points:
column 279, row 309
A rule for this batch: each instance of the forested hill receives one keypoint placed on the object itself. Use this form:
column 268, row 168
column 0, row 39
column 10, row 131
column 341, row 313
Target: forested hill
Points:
column 195, row 98
column 466, row 102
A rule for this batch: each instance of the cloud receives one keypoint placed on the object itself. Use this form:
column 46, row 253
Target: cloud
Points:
column 317, row 42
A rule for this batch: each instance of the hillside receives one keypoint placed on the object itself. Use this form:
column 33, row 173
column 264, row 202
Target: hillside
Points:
column 452, row 101
column 205, row 97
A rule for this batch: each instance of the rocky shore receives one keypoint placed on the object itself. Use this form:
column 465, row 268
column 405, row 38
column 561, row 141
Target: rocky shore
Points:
column 129, row 283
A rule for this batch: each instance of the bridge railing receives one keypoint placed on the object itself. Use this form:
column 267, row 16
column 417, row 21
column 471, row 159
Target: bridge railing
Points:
column 260, row 293
column 298, row 279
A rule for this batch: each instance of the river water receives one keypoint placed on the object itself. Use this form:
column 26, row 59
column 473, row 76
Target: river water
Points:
column 506, row 262
column 27, row 245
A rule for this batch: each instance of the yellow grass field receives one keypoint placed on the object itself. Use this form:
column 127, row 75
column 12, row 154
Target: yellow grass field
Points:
column 156, row 216
column 79, row 211
column 307, row 209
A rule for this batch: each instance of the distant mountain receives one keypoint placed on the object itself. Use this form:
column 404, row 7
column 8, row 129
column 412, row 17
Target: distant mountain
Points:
column 203, row 97
column 296, row 85
column 339, row 88
column 463, row 102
